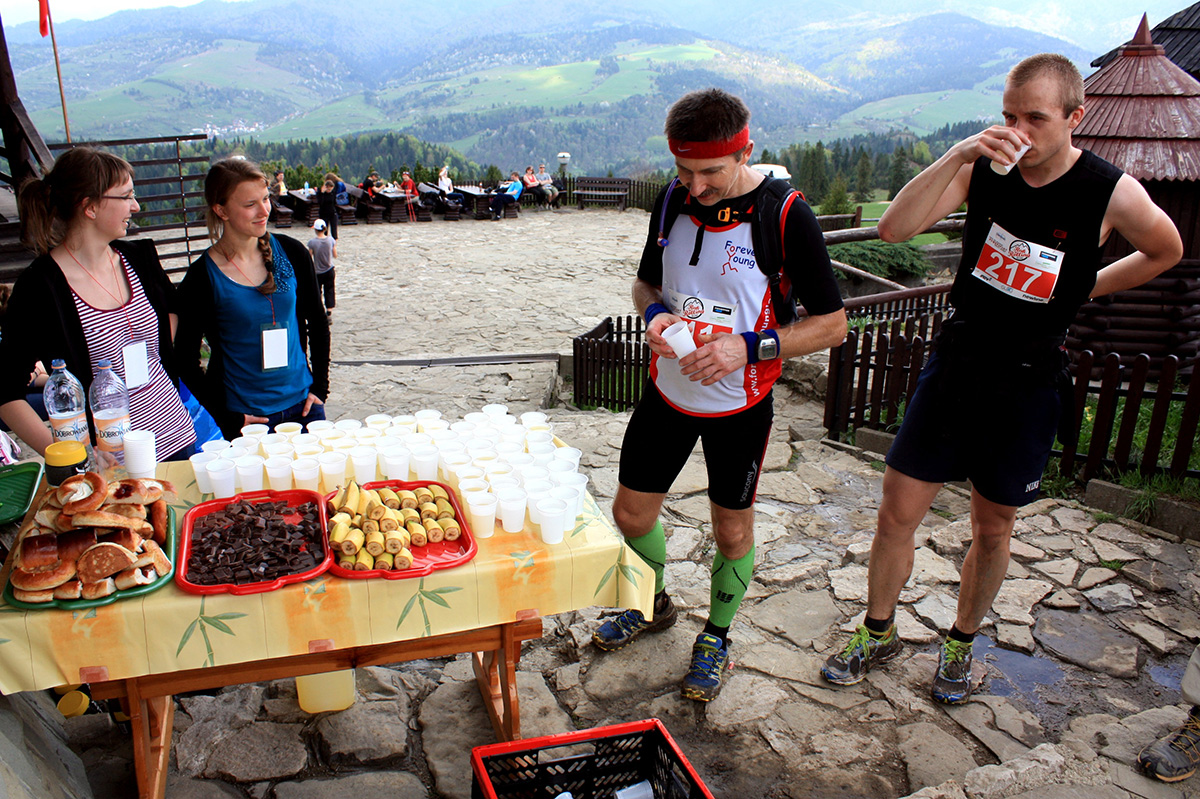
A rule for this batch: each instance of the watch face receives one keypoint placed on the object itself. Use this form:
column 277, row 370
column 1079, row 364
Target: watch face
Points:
column 768, row 349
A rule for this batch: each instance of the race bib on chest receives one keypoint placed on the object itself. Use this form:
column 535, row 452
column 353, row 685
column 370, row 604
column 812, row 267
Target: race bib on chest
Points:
column 1022, row 269
column 705, row 317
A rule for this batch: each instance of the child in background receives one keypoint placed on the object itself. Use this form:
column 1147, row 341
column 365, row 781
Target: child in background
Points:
column 324, row 250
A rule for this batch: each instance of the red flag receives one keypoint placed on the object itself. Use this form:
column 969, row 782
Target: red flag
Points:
column 44, row 16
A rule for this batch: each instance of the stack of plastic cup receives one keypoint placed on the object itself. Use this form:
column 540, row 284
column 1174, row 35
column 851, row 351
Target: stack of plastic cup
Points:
column 511, row 501
column 222, row 474
column 279, row 473
column 140, row 458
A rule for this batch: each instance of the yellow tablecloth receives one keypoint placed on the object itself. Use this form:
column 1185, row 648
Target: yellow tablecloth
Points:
column 170, row 630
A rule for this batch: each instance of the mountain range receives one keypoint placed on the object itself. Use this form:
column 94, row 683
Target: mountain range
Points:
column 513, row 82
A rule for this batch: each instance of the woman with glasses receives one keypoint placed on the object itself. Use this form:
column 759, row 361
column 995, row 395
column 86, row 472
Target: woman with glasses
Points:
column 90, row 296
column 253, row 296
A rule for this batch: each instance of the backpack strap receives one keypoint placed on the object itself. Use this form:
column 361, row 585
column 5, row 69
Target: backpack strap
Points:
column 775, row 198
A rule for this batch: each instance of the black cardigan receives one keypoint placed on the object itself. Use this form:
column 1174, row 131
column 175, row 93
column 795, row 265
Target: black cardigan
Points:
column 41, row 322
column 197, row 320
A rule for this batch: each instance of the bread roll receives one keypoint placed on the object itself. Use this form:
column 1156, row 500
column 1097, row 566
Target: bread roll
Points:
column 104, row 560
column 99, row 590
column 43, row 580
column 38, row 553
column 33, row 596
column 71, row 589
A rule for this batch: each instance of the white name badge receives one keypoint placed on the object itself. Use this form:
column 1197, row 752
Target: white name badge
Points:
column 136, row 361
column 1022, row 269
column 707, row 316
column 274, row 348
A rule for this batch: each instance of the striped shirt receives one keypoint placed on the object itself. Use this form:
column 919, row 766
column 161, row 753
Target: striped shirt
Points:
column 154, row 405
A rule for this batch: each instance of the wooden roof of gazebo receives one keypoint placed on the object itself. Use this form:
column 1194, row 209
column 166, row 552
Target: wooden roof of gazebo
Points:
column 1143, row 113
column 1179, row 34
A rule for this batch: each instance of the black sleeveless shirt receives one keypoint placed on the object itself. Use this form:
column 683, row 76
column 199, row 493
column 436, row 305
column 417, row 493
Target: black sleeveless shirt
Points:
column 1058, row 223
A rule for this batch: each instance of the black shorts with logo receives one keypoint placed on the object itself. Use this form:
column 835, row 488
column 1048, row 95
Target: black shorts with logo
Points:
column 660, row 438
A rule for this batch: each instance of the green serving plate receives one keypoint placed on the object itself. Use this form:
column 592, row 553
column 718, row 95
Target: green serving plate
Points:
column 18, row 483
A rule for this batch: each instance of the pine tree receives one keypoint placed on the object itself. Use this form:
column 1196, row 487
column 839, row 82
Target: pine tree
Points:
column 862, row 179
column 837, row 201
column 899, row 173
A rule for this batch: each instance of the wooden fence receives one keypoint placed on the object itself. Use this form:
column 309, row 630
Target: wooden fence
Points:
column 611, row 363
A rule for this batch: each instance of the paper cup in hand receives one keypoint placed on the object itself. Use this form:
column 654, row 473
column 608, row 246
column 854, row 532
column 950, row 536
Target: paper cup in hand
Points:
column 1004, row 169
column 679, row 337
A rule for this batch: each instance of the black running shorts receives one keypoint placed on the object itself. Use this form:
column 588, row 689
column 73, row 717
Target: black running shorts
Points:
column 996, row 432
column 660, row 438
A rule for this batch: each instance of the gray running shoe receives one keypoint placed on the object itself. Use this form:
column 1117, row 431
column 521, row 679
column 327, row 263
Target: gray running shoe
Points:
column 862, row 653
column 952, row 682
column 1174, row 757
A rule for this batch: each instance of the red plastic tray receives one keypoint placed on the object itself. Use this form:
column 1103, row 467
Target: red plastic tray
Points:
column 426, row 559
column 293, row 498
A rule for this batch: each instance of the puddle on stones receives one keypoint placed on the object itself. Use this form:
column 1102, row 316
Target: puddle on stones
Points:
column 1021, row 675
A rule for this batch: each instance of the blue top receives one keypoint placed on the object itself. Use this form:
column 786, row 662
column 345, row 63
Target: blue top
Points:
column 515, row 188
column 242, row 313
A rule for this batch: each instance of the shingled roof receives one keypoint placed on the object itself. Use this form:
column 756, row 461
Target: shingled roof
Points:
column 1179, row 34
column 1143, row 113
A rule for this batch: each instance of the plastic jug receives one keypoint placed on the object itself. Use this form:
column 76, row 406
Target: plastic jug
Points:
column 325, row 693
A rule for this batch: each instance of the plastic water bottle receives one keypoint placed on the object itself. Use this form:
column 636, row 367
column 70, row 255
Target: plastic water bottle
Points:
column 306, row 185
column 110, row 408
column 64, row 399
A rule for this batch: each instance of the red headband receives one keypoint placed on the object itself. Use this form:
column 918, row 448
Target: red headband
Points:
column 710, row 149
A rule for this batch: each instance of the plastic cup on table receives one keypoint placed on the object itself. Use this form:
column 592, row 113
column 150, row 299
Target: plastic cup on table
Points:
column 557, row 467
column 248, row 443
column 571, row 454
column 576, row 480
column 514, row 434
column 406, row 422
column 478, row 418
column 476, row 484
column 536, row 489
column 503, row 481
column 434, row 426
column 519, row 461
column 504, row 422
column 425, row 415
column 570, row 497
column 506, row 449
column 348, row 425
column 451, row 463
column 268, row 440
column 550, row 514
column 289, row 429
column 215, row 446
column 463, row 428
column 511, row 502
column 250, row 472
column 306, row 473
column 468, row 472
column 310, row 451
column 223, row 475
column 328, row 435
column 425, row 462
column 497, row 468
column 417, row 440
column 382, row 445
column 484, row 457
column 481, row 511
column 279, row 473
column 305, row 440
column 199, row 461
column 140, row 457
column 344, row 446
column 532, row 417
column 319, row 425
column 495, row 410
column 275, row 450
column 532, row 472
column 396, row 462
column 333, row 470
column 367, row 436
column 538, row 437
column 365, row 462
column 679, row 337
column 489, row 434
column 451, row 446
column 542, row 453
column 255, row 431
column 378, row 421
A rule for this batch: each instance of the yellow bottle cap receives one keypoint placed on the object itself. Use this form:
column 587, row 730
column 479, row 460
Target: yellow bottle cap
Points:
column 74, row 704
column 65, row 689
column 65, row 453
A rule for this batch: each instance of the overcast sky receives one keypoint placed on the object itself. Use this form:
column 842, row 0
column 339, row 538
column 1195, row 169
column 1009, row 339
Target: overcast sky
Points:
column 15, row 12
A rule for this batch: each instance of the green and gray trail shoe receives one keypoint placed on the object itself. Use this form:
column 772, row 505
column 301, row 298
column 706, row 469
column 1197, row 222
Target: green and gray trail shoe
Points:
column 952, row 682
column 710, row 661
column 1174, row 757
column 862, row 653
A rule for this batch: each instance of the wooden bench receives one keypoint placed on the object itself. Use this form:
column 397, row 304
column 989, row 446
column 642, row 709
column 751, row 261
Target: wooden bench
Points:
column 603, row 191
column 281, row 215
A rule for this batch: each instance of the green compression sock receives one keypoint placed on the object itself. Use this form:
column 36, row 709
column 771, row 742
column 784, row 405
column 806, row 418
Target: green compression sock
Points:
column 652, row 547
column 730, row 579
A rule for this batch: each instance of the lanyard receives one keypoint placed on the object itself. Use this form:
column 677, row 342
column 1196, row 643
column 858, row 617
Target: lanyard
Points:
column 120, row 304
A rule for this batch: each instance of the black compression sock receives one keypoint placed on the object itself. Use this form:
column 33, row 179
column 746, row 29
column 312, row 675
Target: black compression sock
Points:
column 876, row 626
column 959, row 635
column 715, row 631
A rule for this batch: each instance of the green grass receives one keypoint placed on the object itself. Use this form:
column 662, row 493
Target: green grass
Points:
column 924, row 113
column 1115, row 565
column 1141, row 430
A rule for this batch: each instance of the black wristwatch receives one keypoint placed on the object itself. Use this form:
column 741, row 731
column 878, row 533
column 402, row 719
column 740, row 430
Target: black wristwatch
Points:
column 768, row 346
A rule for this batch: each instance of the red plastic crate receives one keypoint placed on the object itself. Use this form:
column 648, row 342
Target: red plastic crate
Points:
column 613, row 757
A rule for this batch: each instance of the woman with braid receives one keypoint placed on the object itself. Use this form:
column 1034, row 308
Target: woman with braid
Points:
column 253, row 296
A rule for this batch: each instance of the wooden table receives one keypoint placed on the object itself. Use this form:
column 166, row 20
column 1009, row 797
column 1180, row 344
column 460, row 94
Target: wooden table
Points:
column 397, row 206
column 303, row 204
column 475, row 200
column 145, row 649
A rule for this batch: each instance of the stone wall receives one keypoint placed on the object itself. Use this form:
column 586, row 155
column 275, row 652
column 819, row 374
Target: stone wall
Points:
column 35, row 759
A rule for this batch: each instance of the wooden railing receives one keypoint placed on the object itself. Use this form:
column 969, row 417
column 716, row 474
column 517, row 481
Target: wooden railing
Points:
column 611, row 363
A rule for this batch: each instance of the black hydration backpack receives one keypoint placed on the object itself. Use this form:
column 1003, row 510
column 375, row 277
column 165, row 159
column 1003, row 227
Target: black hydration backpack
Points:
column 771, row 205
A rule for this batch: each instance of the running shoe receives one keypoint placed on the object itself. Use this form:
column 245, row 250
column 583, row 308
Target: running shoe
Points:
column 1174, row 757
column 863, row 652
column 710, row 661
column 952, row 682
column 619, row 631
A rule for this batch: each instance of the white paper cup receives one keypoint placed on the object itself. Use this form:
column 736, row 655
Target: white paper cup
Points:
column 532, row 417
column 255, row 431
column 347, row 425
column 305, row 440
column 425, row 462
column 511, row 501
column 538, row 437
column 433, row 425
column 468, row 472
column 333, row 470
column 279, row 450
column 279, row 473
column 318, row 426
column 571, row 454
column 1004, row 169
column 248, row 443
column 481, row 512
column 268, row 440
column 556, row 467
column 310, row 451
column 250, row 472
column 495, row 410
column 306, row 473
column 199, row 461
column 289, row 429
column 536, row 489
column 463, row 428
column 679, row 338
column 550, row 514
column 215, row 446
column 140, row 458
column 476, row 484
column 223, row 475
column 396, row 462
column 365, row 462
column 379, row 421
column 570, row 497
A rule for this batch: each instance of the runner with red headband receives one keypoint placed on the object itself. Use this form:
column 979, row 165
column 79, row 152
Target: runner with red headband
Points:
column 699, row 269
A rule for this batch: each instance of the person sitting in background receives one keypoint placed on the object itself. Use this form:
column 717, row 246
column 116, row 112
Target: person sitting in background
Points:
column 407, row 185
column 278, row 188
column 509, row 196
column 446, row 186
column 254, row 297
column 368, row 184
column 534, row 186
column 547, row 182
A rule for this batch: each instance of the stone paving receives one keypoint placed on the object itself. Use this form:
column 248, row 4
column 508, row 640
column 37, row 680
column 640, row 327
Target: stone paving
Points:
column 1079, row 661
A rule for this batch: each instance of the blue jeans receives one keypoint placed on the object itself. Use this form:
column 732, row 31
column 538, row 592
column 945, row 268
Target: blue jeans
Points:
column 296, row 414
